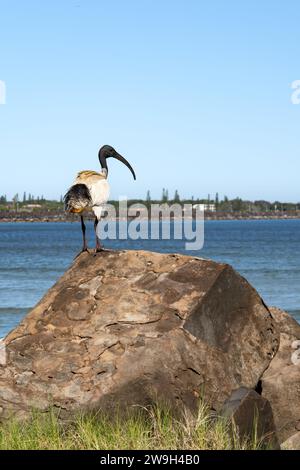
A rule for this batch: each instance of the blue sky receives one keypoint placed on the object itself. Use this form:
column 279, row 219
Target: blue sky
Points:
column 195, row 94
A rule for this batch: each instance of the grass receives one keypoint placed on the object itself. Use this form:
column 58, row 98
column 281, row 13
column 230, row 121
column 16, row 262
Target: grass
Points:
column 153, row 428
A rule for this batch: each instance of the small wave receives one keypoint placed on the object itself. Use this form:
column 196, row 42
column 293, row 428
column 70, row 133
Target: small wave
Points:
column 295, row 314
column 12, row 310
column 9, row 318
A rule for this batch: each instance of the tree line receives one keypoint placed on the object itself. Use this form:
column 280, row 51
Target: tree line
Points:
column 30, row 198
column 219, row 204
column 228, row 205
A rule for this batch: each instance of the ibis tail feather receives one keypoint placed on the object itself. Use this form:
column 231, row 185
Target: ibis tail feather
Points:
column 77, row 199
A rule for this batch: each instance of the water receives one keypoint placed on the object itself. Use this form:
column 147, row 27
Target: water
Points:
column 33, row 256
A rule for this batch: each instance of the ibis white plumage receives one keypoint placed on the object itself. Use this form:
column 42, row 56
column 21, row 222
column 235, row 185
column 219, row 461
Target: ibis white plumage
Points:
column 91, row 191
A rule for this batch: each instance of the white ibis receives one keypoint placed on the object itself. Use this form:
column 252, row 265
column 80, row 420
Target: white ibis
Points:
column 91, row 190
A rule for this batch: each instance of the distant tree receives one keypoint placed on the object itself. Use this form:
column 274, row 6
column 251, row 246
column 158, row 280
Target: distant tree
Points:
column 237, row 204
column 165, row 195
column 16, row 201
column 217, row 202
column 225, row 205
column 176, row 196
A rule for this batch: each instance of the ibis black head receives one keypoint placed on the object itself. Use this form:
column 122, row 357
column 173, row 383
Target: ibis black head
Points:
column 106, row 152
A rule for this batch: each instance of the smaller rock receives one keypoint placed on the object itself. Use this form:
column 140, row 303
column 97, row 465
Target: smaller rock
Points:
column 295, row 344
column 292, row 443
column 250, row 413
column 281, row 380
column 295, row 357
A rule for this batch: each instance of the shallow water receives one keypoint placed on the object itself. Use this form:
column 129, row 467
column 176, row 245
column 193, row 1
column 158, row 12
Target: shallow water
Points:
column 33, row 256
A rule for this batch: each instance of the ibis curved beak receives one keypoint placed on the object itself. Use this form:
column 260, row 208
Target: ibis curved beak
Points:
column 119, row 157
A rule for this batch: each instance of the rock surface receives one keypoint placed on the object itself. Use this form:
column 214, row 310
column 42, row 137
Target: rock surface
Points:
column 281, row 381
column 292, row 443
column 130, row 327
column 251, row 415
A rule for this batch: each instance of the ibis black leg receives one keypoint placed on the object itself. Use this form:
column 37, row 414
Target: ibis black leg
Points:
column 83, row 228
column 98, row 244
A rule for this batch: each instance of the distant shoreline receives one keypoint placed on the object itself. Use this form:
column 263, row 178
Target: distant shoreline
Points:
column 62, row 219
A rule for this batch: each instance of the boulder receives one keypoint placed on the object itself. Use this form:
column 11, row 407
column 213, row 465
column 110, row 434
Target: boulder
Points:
column 129, row 327
column 251, row 417
column 280, row 383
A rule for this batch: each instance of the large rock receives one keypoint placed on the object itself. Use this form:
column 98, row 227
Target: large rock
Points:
column 130, row 327
column 280, row 383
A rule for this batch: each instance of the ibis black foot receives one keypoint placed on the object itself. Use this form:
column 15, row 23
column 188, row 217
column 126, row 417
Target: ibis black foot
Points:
column 84, row 250
column 102, row 250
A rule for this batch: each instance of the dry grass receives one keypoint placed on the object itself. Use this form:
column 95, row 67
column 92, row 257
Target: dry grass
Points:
column 154, row 428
